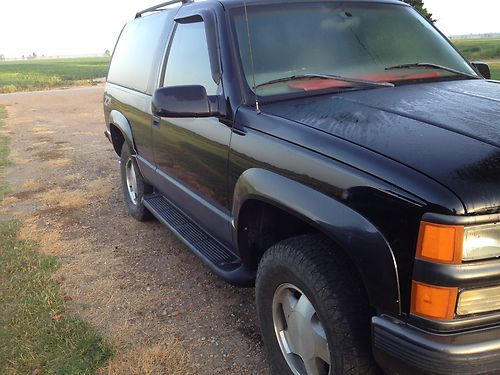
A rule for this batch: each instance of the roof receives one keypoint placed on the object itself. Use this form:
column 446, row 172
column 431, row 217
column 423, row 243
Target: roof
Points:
column 238, row 3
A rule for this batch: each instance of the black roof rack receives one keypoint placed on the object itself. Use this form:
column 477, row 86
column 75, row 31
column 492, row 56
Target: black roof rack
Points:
column 160, row 6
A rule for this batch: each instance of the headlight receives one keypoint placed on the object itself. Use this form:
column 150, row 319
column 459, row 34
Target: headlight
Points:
column 478, row 301
column 481, row 242
column 454, row 244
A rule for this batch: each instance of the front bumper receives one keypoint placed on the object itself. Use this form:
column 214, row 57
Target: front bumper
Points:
column 400, row 348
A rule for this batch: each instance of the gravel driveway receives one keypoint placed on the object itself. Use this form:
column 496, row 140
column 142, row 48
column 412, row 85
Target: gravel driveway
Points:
column 135, row 283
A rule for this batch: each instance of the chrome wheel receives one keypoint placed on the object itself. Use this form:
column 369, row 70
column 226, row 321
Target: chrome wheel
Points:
column 131, row 178
column 299, row 332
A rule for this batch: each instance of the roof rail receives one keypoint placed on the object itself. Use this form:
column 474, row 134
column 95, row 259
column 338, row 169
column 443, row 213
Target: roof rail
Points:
column 160, row 6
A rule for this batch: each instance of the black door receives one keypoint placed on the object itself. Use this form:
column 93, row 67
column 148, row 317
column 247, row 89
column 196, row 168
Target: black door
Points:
column 191, row 154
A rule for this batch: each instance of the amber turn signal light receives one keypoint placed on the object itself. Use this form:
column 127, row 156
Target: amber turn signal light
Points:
column 440, row 243
column 433, row 302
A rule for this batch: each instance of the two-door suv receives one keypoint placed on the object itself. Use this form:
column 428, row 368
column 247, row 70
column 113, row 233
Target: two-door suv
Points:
column 341, row 156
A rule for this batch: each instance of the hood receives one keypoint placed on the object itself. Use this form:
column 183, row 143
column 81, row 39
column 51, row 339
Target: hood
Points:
column 449, row 131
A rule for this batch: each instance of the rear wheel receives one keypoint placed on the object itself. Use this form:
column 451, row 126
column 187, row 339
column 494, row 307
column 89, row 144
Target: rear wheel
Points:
column 133, row 185
column 313, row 312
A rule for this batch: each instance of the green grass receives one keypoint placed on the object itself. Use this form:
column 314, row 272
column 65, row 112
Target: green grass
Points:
column 4, row 153
column 39, row 74
column 482, row 50
column 479, row 49
column 495, row 70
column 36, row 334
column 30, row 336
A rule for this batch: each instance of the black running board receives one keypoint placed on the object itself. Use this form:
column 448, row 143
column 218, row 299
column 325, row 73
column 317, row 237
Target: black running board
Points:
column 221, row 260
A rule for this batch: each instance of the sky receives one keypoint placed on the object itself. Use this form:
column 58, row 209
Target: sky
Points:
column 64, row 28
column 461, row 17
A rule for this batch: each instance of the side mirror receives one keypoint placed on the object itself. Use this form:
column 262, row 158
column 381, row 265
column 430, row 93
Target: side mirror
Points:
column 181, row 101
column 483, row 69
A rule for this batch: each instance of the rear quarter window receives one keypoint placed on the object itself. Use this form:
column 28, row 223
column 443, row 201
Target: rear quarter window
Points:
column 137, row 54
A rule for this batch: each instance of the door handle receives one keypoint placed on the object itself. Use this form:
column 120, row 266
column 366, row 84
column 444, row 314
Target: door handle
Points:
column 156, row 121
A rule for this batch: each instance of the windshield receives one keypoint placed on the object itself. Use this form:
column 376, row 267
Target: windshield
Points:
column 351, row 40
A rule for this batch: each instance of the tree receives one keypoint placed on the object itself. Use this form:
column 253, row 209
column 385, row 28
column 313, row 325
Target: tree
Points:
column 2, row 57
column 419, row 5
column 107, row 53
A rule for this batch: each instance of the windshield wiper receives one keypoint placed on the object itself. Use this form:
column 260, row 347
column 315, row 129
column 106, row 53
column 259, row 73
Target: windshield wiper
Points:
column 431, row 66
column 327, row 76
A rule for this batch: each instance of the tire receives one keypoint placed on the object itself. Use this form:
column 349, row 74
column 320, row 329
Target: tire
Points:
column 133, row 185
column 313, row 312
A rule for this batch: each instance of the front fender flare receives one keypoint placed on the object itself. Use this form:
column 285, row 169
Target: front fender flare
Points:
column 359, row 238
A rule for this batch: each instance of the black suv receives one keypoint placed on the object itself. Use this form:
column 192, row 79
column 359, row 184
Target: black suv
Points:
column 341, row 156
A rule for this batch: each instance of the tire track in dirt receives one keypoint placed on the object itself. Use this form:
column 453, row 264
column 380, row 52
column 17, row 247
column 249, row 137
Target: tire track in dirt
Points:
column 133, row 282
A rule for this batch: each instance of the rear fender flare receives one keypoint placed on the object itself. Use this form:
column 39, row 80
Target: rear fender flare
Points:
column 117, row 119
column 363, row 243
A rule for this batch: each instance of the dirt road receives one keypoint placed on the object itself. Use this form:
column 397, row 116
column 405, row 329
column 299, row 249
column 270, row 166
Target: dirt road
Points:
column 135, row 283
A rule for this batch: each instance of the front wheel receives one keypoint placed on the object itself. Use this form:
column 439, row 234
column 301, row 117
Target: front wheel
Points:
column 133, row 185
column 313, row 312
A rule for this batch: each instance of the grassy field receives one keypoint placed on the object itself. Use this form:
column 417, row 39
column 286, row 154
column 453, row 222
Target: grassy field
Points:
column 36, row 334
column 39, row 74
column 495, row 70
column 482, row 50
column 479, row 49
column 28, row 75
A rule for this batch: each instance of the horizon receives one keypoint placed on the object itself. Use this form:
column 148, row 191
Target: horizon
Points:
column 494, row 35
column 47, row 32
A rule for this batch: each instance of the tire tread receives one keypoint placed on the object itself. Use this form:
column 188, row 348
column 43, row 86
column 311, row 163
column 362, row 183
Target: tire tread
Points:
column 137, row 211
column 334, row 280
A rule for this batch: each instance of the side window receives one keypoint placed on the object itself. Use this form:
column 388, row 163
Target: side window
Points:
column 188, row 61
column 138, row 51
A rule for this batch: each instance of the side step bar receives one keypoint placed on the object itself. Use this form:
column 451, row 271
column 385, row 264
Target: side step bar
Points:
column 221, row 260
